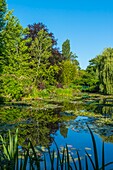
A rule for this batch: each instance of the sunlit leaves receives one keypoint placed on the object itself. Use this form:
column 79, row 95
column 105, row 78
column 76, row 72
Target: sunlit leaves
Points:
column 40, row 51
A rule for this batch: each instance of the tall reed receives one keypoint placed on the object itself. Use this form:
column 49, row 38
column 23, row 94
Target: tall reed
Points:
column 11, row 158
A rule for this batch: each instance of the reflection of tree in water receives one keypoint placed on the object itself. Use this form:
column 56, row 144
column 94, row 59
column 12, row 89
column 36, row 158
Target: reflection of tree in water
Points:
column 63, row 130
column 72, row 106
column 32, row 124
column 37, row 125
column 12, row 115
column 39, row 135
column 105, row 107
column 107, row 138
column 43, row 123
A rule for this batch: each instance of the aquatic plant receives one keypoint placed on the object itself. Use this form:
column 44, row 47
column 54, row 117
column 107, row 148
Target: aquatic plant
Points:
column 11, row 156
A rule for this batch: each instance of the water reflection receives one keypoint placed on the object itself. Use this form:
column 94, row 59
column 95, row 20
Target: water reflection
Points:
column 105, row 107
column 63, row 130
column 37, row 125
column 32, row 124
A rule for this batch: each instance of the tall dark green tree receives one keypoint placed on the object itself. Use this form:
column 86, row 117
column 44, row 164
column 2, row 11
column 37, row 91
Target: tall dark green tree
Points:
column 66, row 49
column 70, row 65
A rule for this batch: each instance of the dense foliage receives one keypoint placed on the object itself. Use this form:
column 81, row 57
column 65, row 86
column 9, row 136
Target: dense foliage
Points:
column 30, row 60
column 101, row 68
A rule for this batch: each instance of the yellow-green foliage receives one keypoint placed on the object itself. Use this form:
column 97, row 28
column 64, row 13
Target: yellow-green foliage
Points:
column 67, row 92
column 69, row 70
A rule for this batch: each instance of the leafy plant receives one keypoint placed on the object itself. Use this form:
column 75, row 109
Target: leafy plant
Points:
column 10, row 149
column 10, row 157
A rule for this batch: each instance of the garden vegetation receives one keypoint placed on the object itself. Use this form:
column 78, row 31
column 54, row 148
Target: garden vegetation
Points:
column 30, row 61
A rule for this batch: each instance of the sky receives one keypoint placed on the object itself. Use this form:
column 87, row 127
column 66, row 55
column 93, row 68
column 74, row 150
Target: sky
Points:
column 88, row 24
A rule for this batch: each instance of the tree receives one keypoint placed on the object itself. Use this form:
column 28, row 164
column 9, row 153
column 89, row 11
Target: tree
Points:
column 105, row 71
column 74, row 60
column 15, row 52
column 35, row 28
column 70, row 65
column 66, row 49
column 91, row 75
column 101, row 69
column 15, row 74
column 3, row 10
column 40, row 50
column 55, row 58
column 69, row 72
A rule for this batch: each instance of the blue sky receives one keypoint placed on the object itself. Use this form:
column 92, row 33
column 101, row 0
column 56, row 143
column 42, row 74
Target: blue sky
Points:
column 88, row 24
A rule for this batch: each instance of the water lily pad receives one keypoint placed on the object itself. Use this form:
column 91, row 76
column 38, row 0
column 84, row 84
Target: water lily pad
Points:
column 69, row 146
column 86, row 148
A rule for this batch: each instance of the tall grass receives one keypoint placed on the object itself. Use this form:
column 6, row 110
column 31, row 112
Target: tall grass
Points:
column 11, row 158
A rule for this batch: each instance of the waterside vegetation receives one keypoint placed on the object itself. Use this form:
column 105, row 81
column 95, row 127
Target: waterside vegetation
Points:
column 31, row 64
column 42, row 90
column 14, row 158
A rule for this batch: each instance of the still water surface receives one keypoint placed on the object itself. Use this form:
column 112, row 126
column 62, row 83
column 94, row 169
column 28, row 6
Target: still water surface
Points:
column 60, row 123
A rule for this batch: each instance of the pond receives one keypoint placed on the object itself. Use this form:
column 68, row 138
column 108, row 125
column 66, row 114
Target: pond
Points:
column 64, row 122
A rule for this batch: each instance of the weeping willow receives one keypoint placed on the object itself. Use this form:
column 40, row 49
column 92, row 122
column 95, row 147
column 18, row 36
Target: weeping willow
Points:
column 105, row 71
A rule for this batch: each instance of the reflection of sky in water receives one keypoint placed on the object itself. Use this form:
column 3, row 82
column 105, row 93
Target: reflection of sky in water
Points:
column 75, row 135
column 82, row 141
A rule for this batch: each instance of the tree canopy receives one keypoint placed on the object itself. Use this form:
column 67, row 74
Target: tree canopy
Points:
column 105, row 71
column 30, row 60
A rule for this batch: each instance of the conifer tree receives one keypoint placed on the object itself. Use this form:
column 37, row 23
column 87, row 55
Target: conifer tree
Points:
column 66, row 49
column 70, row 65
column 16, row 68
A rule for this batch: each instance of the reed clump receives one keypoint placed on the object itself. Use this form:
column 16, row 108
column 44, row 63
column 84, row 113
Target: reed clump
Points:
column 12, row 158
